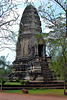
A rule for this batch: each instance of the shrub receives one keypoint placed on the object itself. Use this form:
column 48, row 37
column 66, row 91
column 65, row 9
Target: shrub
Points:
column 22, row 82
column 3, row 82
column 27, row 82
column 17, row 80
column 11, row 80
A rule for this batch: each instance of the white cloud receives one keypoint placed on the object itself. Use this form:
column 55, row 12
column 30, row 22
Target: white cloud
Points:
column 11, row 54
column 47, row 30
column 32, row 0
column 24, row 1
column 42, row 20
column 14, row 28
column 14, row 1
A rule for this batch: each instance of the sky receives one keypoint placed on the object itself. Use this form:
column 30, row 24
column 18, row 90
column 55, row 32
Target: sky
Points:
column 11, row 53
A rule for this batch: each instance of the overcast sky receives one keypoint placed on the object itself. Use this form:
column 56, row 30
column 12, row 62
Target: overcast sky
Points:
column 20, row 10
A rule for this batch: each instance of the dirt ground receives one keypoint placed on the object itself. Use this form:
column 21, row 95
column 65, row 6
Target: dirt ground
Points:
column 13, row 96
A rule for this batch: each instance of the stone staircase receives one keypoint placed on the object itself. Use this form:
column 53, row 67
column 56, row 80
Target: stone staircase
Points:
column 47, row 74
column 37, row 85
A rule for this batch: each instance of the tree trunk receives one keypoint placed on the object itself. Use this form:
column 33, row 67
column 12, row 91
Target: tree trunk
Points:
column 1, row 84
column 64, row 87
column 65, row 76
column 66, row 22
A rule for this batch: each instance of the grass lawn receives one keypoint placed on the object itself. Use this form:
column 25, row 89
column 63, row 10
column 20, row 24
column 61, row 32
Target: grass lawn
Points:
column 54, row 92
column 12, row 83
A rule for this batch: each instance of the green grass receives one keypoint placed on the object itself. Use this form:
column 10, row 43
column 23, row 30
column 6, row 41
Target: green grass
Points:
column 12, row 83
column 47, row 91
column 13, row 91
column 54, row 92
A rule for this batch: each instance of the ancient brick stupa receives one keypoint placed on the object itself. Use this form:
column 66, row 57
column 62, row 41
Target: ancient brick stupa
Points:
column 31, row 61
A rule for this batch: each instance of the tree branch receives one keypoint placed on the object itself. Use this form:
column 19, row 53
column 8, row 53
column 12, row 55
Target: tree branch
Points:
column 60, row 5
column 8, row 22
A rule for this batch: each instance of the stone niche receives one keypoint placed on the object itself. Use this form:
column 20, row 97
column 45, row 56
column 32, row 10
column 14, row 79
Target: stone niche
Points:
column 31, row 62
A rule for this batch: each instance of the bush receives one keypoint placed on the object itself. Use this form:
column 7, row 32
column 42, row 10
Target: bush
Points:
column 11, row 80
column 17, row 80
column 27, row 82
column 3, row 82
column 22, row 82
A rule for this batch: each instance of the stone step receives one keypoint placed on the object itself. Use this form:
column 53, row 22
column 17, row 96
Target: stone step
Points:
column 28, row 87
column 47, row 74
column 48, row 78
column 52, row 83
column 45, row 85
column 46, row 71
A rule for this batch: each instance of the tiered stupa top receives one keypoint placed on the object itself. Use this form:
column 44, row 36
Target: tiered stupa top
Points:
column 30, row 22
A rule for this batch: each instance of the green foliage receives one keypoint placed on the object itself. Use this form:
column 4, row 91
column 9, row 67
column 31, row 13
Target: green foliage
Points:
column 39, row 35
column 58, row 62
column 22, row 82
column 11, row 80
column 45, row 34
column 12, row 83
column 57, row 45
column 3, row 82
column 54, row 92
column 27, row 82
column 35, row 21
column 17, row 80
column 4, row 69
column 39, row 38
column 65, row 2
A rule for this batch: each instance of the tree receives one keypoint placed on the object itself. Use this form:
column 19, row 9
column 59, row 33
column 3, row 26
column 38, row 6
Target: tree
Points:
column 57, row 35
column 8, row 19
column 57, row 41
column 5, row 70
column 64, row 7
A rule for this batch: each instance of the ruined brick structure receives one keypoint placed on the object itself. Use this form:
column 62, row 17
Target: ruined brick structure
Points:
column 31, row 61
